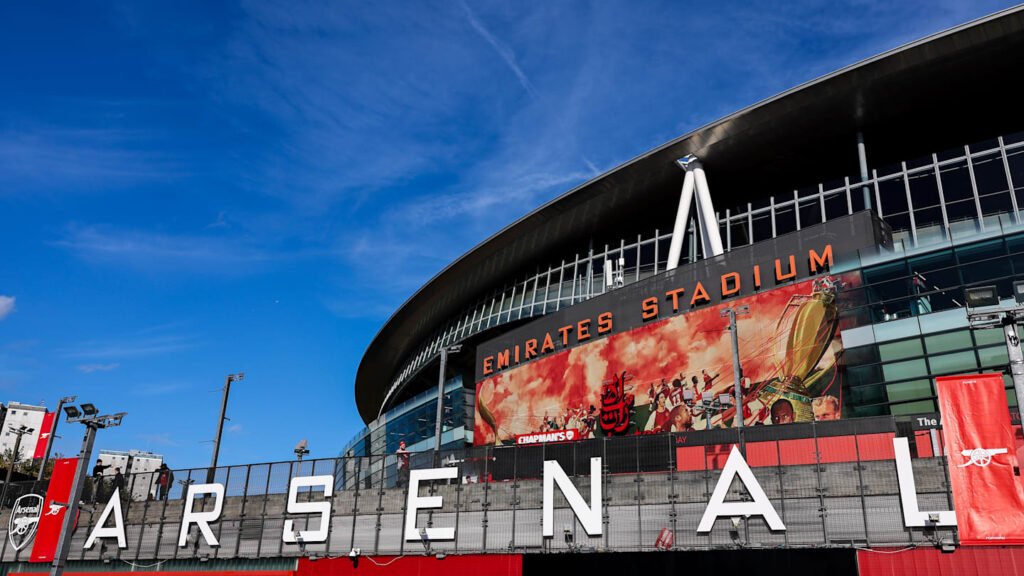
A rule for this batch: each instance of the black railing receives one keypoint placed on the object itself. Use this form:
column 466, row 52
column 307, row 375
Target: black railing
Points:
column 833, row 484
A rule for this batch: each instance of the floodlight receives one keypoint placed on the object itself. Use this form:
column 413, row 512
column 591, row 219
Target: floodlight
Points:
column 89, row 409
column 72, row 411
column 982, row 296
column 688, row 395
column 947, row 546
column 1018, row 291
column 707, row 397
column 724, row 399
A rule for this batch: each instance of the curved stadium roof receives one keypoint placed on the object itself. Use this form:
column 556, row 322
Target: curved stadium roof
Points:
column 957, row 86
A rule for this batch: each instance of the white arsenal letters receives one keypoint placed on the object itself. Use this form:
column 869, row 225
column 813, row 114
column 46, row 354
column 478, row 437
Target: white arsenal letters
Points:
column 589, row 515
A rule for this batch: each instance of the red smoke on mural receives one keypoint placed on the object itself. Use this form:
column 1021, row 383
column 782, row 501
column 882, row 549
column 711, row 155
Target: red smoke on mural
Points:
column 673, row 374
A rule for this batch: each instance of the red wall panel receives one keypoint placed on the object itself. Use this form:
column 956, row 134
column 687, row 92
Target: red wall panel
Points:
column 976, row 560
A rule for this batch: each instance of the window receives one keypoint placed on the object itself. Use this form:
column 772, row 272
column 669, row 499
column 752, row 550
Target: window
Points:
column 899, row 350
column 950, row 341
column 905, row 369
column 810, row 213
column 956, row 182
column 955, row 362
column 893, row 195
column 913, row 390
column 785, row 220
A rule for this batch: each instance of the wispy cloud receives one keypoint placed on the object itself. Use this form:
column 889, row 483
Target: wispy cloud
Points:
column 90, row 368
column 234, row 428
column 501, row 48
column 6, row 306
column 130, row 348
column 40, row 157
column 156, row 250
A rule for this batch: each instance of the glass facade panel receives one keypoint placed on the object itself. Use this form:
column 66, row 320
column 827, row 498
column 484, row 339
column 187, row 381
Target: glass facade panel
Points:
column 990, row 336
column 900, row 350
column 955, row 362
column 905, row 369
column 913, row 390
column 920, row 407
column 994, row 356
column 956, row 182
column 949, row 341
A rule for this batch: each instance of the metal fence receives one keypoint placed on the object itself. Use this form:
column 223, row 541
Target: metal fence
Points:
column 833, row 483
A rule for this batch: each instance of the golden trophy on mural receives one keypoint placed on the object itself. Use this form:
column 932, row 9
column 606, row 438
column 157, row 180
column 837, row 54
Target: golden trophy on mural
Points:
column 803, row 335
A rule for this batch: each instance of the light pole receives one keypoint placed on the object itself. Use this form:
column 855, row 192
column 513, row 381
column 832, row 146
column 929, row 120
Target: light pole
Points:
column 53, row 432
column 20, row 431
column 737, row 370
column 453, row 349
column 89, row 416
column 1005, row 317
column 220, row 422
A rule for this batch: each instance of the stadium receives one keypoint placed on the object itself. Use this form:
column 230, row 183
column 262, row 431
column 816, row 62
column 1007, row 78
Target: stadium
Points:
column 785, row 339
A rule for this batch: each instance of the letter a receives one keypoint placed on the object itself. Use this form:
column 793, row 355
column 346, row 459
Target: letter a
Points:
column 115, row 531
column 761, row 506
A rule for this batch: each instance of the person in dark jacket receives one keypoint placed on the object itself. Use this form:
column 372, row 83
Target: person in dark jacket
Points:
column 164, row 481
column 118, row 481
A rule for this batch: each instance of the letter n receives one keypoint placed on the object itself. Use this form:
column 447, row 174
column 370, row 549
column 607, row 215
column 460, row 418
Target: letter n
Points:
column 589, row 516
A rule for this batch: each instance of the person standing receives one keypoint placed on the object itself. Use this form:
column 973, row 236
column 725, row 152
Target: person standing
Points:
column 118, row 483
column 403, row 464
column 97, row 479
column 164, row 481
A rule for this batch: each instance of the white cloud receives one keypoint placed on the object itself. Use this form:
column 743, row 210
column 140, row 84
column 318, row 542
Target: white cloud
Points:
column 90, row 368
column 6, row 306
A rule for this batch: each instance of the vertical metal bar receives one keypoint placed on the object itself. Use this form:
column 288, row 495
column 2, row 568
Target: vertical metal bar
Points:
column 1009, row 182
column 515, row 498
column 263, row 509
column 974, row 188
column 860, row 482
column 862, row 159
column 849, row 197
column 547, row 292
column 821, row 200
column 910, row 203
column 782, row 489
column 656, row 240
column 485, row 505
column 380, row 503
column 821, row 488
column 728, row 231
column 942, row 197
column 355, row 501
column 771, row 214
column 241, row 514
column 796, row 208
column 878, row 195
column 604, row 489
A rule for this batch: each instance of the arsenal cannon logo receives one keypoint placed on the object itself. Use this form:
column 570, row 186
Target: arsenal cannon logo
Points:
column 24, row 519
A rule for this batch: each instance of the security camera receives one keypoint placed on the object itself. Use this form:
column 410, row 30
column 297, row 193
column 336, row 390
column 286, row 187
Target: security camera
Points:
column 353, row 553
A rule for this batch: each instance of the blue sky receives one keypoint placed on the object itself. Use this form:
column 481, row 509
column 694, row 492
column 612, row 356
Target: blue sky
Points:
column 193, row 189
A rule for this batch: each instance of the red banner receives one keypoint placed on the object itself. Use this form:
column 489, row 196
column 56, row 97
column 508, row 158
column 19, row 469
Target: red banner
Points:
column 989, row 501
column 45, row 430
column 56, row 504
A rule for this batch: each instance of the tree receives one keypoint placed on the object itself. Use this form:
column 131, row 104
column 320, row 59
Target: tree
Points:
column 8, row 457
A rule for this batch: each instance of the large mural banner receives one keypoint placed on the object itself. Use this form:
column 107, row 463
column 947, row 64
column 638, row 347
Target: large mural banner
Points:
column 676, row 374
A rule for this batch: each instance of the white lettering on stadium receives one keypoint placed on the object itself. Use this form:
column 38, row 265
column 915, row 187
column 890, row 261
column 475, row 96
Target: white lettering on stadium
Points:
column 589, row 515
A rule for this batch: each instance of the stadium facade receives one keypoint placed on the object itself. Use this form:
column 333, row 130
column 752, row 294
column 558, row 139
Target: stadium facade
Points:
column 749, row 348
column 926, row 137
